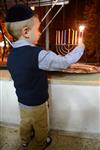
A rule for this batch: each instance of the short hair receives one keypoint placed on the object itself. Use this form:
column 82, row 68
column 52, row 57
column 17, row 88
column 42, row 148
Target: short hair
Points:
column 15, row 28
column 18, row 17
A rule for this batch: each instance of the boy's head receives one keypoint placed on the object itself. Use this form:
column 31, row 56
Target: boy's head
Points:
column 23, row 23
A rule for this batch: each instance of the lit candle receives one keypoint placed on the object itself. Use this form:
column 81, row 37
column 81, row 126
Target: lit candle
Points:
column 72, row 37
column 81, row 30
column 69, row 36
column 65, row 37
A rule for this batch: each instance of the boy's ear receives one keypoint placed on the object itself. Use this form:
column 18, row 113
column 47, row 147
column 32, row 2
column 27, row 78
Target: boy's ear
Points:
column 25, row 32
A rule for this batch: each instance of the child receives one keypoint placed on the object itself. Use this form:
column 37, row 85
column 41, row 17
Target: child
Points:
column 28, row 64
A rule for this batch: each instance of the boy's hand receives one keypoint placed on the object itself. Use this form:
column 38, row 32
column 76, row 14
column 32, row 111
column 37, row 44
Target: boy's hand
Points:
column 81, row 44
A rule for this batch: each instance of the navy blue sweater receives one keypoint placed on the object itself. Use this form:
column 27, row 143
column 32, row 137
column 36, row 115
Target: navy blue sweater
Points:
column 30, row 82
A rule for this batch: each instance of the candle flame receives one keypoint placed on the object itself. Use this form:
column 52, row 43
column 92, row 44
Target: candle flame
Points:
column 81, row 28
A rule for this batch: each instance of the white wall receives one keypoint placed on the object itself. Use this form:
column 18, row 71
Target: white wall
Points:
column 9, row 112
column 73, row 108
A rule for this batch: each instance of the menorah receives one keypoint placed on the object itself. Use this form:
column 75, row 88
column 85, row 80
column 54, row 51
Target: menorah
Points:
column 66, row 40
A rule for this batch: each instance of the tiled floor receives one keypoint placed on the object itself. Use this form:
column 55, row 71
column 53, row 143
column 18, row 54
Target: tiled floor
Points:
column 9, row 140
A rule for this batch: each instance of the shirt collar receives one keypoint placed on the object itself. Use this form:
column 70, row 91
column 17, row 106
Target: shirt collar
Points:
column 20, row 43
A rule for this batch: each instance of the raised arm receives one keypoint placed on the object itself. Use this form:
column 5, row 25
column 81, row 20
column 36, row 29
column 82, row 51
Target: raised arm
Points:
column 50, row 61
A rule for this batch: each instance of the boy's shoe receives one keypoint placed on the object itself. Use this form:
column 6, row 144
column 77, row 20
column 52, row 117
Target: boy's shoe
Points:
column 23, row 147
column 48, row 142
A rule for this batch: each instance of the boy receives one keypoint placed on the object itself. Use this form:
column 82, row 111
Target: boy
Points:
column 28, row 64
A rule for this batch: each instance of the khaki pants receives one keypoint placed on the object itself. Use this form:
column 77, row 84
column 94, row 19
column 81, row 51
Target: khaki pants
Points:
column 34, row 121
